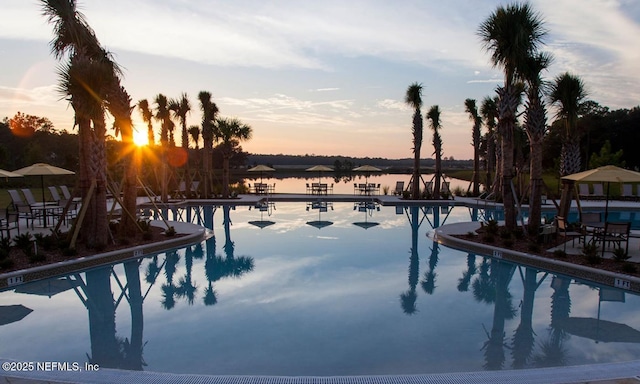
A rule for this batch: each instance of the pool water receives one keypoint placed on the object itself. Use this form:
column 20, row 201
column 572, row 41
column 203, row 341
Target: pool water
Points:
column 363, row 290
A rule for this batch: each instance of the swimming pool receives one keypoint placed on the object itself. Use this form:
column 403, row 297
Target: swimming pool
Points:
column 360, row 291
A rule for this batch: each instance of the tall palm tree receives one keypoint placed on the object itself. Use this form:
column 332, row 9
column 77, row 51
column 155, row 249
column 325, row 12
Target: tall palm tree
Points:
column 209, row 112
column 147, row 115
column 511, row 35
column 434, row 122
column 120, row 107
column 489, row 112
column 567, row 93
column 536, row 128
column 163, row 116
column 75, row 38
column 472, row 110
column 414, row 99
column 229, row 133
column 180, row 108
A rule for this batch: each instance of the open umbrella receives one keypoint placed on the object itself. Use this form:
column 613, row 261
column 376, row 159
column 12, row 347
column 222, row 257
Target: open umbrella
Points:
column 319, row 169
column 367, row 169
column 4, row 173
column 49, row 287
column 266, row 206
column 42, row 170
column 12, row 313
column 367, row 207
column 321, row 206
column 606, row 174
column 261, row 168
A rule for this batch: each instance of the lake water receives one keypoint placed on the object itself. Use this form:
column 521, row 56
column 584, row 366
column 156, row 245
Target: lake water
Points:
column 364, row 290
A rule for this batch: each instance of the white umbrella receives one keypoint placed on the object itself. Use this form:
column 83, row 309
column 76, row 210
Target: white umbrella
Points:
column 319, row 169
column 4, row 173
column 367, row 169
column 42, row 170
column 261, row 168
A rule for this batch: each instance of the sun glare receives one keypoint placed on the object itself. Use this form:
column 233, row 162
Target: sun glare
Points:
column 140, row 137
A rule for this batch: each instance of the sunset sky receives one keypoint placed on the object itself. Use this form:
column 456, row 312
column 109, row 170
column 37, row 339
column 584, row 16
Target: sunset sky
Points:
column 324, row 77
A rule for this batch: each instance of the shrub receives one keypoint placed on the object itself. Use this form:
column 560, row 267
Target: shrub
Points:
column 406, row 195
column 147, row 235
column 619, row 254
column 507, row 242
column 505, row 234
column 5, row 244
column 629, row 268
column 533, row 247
column 67, row 251
column 385, row 189
column 24, row 243
column 590, row 251
column 6, row 264
column 488, row 238
column 492, row 226
column 559, row 253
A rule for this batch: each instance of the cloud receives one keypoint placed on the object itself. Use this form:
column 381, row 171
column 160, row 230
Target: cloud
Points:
column 393, row 105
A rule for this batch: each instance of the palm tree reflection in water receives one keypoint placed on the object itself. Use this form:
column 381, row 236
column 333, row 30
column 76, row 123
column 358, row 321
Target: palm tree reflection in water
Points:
column 523, row 338
column 217, row 267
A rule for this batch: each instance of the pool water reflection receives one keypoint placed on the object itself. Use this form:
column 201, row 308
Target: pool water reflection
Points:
column 292, row 298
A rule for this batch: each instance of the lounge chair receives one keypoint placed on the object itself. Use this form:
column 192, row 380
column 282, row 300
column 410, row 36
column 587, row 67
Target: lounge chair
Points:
column 444, row 189
column 598, row 192
column 24, row 210
column 50, row 209
column 627, row 192
column 583, row 191
column 399, row 188
column 70, row 205
column 428, row 187
column 67, row 194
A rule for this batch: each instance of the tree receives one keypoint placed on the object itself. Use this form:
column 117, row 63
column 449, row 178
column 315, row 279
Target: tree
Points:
column 472, row 110
column 229, row 133
column 180, row 108
column 147, row 115
column 164, row 117
column 209, row 112
column 23, row 125
column 489, row 112
column 606, row 157
column 85, row 80
column 414, row 99
column 434, row 122
column 194, row 133
column 511, row 35
column 567, row 93
column 536, row 128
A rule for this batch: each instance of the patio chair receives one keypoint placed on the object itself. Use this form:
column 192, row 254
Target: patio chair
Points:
column 8, row 221
column 399, row 188
column 564, row 231
column 428, row 187
column 23, row 209
column 444, row 189
column 616, row 233
column 589, row 223
column 598, row 192
column 52, row 209
column 67, row 194
column 583, row 191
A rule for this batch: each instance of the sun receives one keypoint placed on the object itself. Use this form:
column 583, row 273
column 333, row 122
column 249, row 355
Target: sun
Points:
column 140, row 138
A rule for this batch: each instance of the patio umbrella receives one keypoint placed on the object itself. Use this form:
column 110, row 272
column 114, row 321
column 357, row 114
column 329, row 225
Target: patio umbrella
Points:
column 599, row 330
column 321, row 206
column 49, row 287
column 606, row 174
column 263, row 207
column 367, row 169
column 319, row 169
column 42, row 170
column 367, row 208
column 261, row 168
column 12, row 313
column 4, row 173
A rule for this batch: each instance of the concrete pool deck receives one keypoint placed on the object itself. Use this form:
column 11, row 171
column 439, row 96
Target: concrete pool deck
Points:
column 618, row 373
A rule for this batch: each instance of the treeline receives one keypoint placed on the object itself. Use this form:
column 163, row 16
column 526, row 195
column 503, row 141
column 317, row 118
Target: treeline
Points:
column 305, row 161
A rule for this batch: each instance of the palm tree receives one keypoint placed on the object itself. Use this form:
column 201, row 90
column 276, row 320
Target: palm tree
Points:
column 85, row 80
column 489, row 112
column 567, row 93
column 472, row 110
column 147, row 115
column 511, row 35
column 120, row 107
column 209, row 113
column 180, row 108
column 230, row 132
column 434, row 122
column 163, row 116
column 414, row 99
column 194, row 133
column 536, row 128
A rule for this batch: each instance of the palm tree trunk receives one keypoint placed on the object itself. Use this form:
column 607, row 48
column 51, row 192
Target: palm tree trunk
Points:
column 225, row 175
column 535, row 184
column 507, row 106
